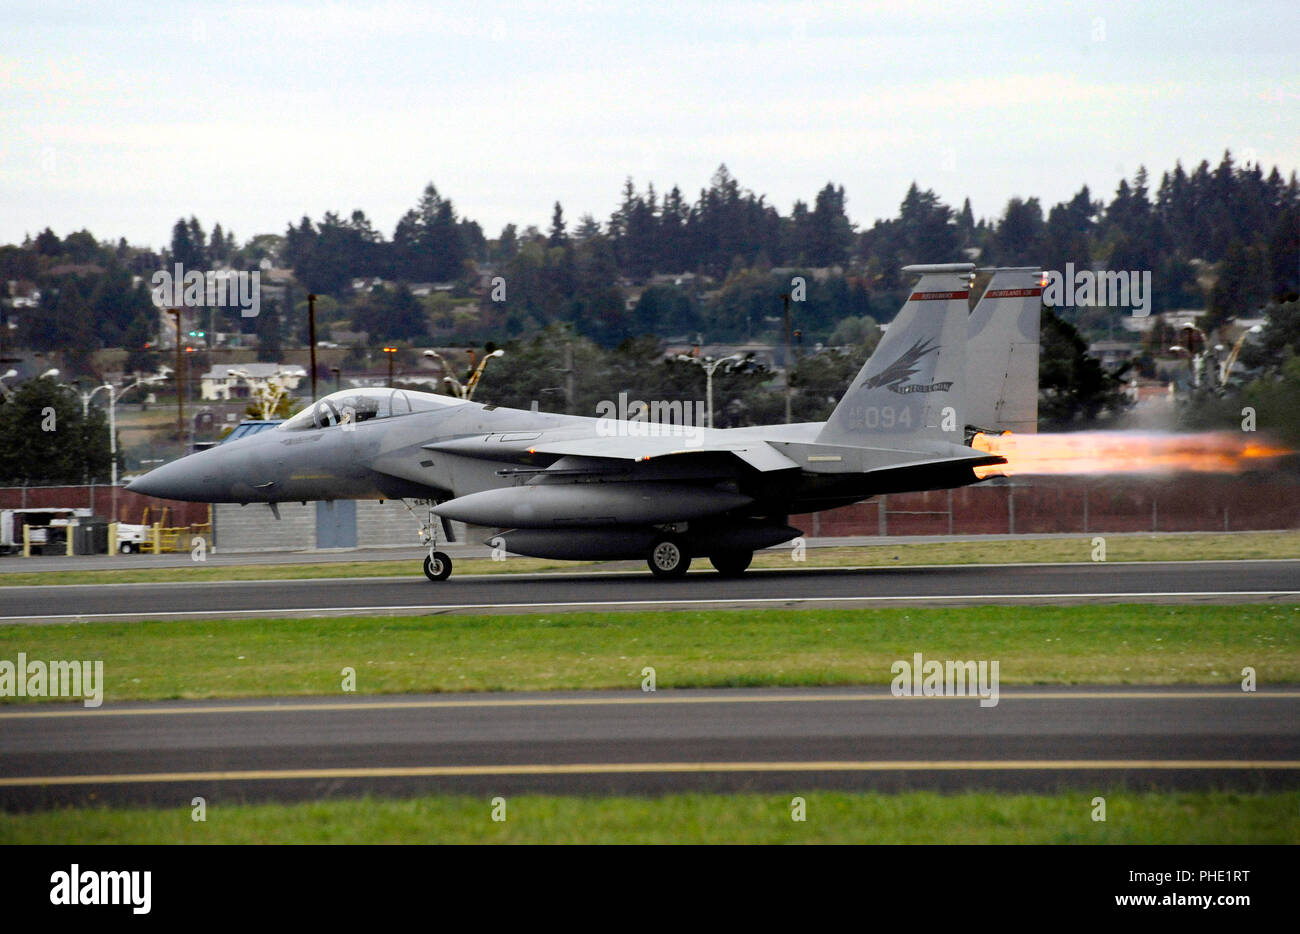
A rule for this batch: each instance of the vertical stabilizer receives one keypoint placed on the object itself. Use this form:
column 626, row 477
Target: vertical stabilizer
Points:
column 1002, row 353
column 912, row 386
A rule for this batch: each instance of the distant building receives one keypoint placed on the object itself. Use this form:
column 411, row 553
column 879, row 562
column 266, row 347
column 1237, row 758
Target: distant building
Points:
column 685, row 280
column 248, row 379
column 424, row 289
column 1114, row 354
column 819, row 273
column 1183, row 317
column 76, row 269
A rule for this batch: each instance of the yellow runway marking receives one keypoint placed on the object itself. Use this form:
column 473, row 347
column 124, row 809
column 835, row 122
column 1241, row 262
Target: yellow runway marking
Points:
column 633, row 768
column 665, row 698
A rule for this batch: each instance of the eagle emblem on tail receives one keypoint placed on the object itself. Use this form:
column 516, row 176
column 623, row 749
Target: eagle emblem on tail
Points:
column 902, row 369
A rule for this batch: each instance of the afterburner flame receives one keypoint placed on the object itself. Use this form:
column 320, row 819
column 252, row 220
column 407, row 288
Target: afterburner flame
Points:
column 1112, row 452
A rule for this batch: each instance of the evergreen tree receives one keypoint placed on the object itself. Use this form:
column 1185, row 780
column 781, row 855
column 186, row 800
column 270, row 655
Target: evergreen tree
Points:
column 829, row 232
column 47, row 439
column 558, row 236
column 1074, row 389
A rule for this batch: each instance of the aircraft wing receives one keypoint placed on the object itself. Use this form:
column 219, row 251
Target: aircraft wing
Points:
column 756, row 453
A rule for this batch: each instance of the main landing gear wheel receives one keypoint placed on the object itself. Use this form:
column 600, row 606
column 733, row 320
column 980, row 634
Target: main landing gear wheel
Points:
column 731, row 563
column 667, row 558
column 437, row 566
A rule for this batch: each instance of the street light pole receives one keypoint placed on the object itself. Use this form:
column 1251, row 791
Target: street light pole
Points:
column 114, row 394
column 478, row 372
column 447, row 377
column 710, row 366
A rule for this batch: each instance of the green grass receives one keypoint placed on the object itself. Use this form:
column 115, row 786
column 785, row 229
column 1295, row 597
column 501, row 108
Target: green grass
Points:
column 1182, row 547
column 832, row 817
column 1119, row 644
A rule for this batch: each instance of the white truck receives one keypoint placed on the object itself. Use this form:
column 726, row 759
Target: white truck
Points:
column 133, row 538
column 41, row 519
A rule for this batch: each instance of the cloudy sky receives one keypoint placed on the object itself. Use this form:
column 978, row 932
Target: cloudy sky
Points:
column 122, row 116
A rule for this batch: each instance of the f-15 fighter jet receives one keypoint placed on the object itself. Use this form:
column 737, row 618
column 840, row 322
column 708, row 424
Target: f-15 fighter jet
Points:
column 575, row 487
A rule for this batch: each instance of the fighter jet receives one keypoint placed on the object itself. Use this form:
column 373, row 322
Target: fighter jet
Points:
column 575, row 487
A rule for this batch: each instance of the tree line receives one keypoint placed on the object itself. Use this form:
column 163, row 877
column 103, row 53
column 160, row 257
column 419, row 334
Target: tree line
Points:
column 1221, row 238
column 1224, row 238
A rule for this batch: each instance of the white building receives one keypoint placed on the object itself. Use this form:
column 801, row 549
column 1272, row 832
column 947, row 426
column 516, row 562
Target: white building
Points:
column 242, row 380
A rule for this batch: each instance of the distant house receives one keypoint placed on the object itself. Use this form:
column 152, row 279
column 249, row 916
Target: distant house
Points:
column 1113, row 354
column 1183, row 317
column 76, row 269
column 247, row 379
column 483, row 280
column 23, row 295
column 685, row 280
column 276, row 274
column 819, row 273
column 1235, row 327
column 349, row 338
column 423, row 289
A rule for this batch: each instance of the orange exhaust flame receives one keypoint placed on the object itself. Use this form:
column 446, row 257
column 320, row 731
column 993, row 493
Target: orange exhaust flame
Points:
column 1113, row 452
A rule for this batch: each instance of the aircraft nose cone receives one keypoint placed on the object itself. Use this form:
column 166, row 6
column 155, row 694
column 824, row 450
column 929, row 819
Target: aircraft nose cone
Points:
column 188, row 479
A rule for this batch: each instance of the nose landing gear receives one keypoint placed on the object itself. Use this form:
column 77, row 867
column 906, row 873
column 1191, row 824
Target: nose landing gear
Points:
column 437, row 564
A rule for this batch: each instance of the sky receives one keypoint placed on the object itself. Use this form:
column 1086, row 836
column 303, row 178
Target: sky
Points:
column 121, row 117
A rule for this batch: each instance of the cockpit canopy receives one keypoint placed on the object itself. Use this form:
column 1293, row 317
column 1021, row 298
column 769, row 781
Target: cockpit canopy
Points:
column 362, row 405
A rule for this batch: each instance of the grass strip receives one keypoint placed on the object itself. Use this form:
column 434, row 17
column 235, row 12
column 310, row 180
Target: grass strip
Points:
column 1104, row 644
column 1213, row 817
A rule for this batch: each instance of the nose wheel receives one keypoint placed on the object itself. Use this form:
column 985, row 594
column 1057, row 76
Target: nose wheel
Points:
column 437, row 566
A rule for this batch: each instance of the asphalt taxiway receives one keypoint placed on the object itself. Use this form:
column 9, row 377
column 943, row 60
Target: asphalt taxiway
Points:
column 1062, row 584
column 1034, row 739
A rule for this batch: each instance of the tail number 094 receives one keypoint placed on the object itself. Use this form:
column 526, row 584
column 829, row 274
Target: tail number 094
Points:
column 882, row 416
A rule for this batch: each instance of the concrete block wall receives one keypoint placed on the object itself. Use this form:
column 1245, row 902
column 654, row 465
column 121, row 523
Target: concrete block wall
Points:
column 388, row 524
column 379, row 525
column 255, row 528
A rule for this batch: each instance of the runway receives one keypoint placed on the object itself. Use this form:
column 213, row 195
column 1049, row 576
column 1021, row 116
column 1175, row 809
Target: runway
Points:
column 1090, row 739
column 1147, row 582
